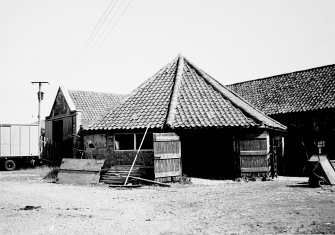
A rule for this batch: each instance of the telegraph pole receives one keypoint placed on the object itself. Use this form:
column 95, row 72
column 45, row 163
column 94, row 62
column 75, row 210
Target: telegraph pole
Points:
column 40, row 95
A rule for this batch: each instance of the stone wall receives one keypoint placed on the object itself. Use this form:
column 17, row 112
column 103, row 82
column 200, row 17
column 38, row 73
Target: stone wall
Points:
column 101, row 146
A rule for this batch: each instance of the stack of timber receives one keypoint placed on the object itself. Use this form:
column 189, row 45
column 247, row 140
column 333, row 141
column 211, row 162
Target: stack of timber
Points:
column 117, row 175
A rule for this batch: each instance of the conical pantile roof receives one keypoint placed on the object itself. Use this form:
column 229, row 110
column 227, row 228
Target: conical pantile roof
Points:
column 182, row 96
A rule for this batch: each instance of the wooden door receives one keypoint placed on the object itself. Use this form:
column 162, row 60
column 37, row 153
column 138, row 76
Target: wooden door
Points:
column 254, row 154
column 167, row 157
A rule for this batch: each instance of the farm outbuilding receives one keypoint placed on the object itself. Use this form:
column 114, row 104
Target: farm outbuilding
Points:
column 196, row 126
column 72, row 110
column 304, row 101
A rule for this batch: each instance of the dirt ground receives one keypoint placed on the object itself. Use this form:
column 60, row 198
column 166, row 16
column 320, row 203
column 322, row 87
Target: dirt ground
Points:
column 30, row 205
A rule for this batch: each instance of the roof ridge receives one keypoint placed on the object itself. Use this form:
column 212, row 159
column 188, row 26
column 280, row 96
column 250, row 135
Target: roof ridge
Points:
column 284, row 74
column 175, row 92
column 236, row 100
column 97, row 92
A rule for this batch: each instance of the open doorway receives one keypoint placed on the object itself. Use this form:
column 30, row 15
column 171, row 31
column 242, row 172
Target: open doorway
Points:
column 207, row 154
column 57, row 131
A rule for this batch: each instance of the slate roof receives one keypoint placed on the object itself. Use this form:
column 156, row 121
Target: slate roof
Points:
column 182, row 96
column 300, row 91
column 93, row 104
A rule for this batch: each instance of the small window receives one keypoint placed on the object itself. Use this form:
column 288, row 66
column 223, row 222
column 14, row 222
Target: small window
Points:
column 133, row 141
column 124, row 142
column 321, row 144
column 147, row 143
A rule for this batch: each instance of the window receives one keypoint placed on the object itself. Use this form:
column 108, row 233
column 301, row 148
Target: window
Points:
column 132, row 141
column 124, row 142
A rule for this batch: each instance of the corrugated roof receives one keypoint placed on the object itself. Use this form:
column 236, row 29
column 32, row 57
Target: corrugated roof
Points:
column 93, row 104
column 300, row 91
column 182, row 96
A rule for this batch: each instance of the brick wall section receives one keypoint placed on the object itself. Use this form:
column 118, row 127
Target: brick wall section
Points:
column 101, row 146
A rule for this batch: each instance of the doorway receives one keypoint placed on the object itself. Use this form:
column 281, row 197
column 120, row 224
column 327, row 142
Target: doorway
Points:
column 207, row 154
column 57, row 131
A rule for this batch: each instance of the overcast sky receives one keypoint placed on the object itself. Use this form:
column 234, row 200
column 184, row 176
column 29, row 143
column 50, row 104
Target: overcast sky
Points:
column 234, row 41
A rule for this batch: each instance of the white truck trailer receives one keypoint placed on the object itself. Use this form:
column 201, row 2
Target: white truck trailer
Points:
column 18, row 143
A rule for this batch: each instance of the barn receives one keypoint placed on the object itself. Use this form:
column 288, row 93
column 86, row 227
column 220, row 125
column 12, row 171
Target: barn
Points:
column 73, row 109
column 304, row 101
column 192, row 125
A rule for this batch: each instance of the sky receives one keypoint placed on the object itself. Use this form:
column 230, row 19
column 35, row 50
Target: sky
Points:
column 72, row 43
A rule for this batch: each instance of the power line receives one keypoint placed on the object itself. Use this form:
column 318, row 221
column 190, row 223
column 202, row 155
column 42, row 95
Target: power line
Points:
column 112, row 28
column 90, row 39
column 98, row 32
column 97, row 48
column 97, row 28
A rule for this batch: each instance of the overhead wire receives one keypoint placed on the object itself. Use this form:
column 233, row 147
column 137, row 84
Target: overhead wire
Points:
column 98, row 31
column 98, row 27
column 111, row 28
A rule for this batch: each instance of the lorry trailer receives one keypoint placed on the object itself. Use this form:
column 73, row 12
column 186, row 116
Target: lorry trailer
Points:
column 19, row 143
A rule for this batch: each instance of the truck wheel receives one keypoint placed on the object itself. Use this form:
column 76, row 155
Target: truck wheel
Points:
column 10, row 165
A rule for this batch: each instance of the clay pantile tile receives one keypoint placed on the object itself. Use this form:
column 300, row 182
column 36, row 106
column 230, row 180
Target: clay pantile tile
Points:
column 300, row 91
column 93, row 104
column 179, row 96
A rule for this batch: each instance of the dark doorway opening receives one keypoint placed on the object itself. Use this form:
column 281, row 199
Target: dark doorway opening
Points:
column 57, row 131
column 207, row 154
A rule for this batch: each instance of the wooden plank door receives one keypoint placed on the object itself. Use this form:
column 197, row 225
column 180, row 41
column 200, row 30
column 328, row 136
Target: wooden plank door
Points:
column 167, row 157
column 254, row 154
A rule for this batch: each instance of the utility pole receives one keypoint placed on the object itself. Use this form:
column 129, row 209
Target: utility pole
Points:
column 40, row 95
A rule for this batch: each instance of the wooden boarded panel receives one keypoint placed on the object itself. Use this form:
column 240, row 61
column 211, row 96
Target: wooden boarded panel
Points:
column 254, row 163
column 254, row 170
column 254, row 153
column 167, row 154
column 79, row 171
column 167, row 149
column 165, row 137
column 81, row 164
column 167, row 167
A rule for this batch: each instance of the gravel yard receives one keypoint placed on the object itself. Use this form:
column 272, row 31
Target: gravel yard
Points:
column 31, row 205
